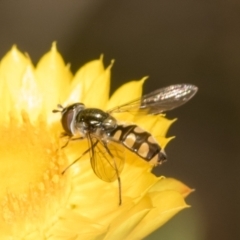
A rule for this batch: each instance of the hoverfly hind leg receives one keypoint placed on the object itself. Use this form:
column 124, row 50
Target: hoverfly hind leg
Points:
column 119, row 191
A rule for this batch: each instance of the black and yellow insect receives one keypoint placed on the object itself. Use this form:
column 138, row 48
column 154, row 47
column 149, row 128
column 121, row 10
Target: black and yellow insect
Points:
column 107, row 137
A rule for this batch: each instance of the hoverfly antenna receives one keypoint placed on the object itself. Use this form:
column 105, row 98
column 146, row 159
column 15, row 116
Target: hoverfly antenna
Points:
column 58, row 110
column 60, row 106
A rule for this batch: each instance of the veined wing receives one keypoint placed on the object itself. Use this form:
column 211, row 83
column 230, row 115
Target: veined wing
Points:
column 160, row 100
column 107, row 159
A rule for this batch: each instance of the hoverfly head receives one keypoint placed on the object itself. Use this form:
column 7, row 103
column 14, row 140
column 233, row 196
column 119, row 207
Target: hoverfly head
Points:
column 69, row 114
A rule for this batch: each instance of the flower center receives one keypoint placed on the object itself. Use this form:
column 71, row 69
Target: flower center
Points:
column 30, row 169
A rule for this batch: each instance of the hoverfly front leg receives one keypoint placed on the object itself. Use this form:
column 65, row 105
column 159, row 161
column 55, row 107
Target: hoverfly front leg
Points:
column 75, row 160
column 70, row 138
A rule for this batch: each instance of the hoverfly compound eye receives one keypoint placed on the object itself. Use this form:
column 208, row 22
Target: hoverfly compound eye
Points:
column 69, row 117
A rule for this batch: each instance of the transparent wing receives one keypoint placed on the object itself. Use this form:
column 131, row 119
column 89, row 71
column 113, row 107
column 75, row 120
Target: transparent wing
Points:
column 160, row 100
column 107, row 159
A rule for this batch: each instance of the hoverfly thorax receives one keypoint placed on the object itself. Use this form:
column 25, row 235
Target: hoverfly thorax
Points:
column 93, row 119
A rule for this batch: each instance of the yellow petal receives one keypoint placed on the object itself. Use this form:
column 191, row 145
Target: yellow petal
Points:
column 29, row 96
column 83, row 80
column 171, row 184
column 88, row 73
column 91, row 85
column 5, row 97
column 132, row 215
column 75, row 95
column 121, row 227
column 68, row 229
column 162, row 125
column 157, row 125
column 166, row 205
column 126, row 93
column 163, row 141
column 96, row 94
column 12, row 67
column 137, row 171
column 53, row 77
column 31, row 188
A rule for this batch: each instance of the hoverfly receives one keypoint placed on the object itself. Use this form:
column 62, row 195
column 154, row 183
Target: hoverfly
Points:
column 107, row 137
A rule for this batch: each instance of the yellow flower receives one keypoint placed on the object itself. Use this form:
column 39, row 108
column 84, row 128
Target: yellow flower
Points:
column 36, row 200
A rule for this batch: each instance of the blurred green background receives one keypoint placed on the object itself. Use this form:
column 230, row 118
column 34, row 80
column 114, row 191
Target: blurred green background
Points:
column 172, row 41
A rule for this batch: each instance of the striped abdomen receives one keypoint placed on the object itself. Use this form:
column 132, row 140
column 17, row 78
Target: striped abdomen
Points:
column 140, row 142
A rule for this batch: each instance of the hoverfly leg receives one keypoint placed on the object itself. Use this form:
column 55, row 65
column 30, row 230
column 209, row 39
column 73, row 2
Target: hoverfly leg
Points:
column 118, row 175
column 71, row 139
column 63, row 134
column 119, row 190
column 75, row 160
